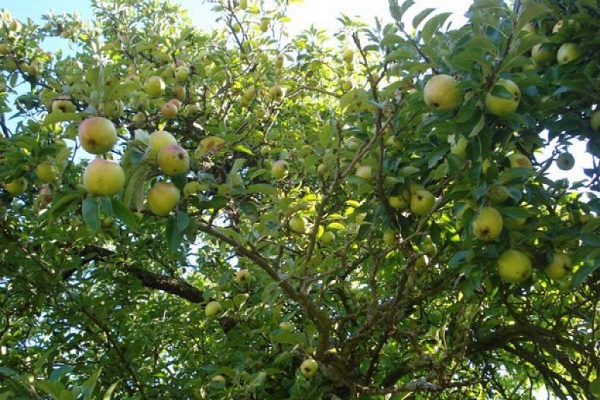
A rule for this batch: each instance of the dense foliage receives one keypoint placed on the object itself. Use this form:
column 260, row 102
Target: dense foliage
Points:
column 334, row 210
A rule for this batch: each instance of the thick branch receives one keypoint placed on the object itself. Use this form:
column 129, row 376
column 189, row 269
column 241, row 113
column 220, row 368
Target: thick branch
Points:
column 167, row 284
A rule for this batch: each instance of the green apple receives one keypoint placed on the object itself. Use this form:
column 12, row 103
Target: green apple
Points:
column 162, row 198
column 213, row 308
column 348, row 55
column 182, row 73
column 218, row 379
column 565, row 161
column 264, row 24
column 568, row 52
column 154, row 86
column 10, row 63
column 169, row 110
column 209, row 145
column 46, row 171
column 506, row 101
column 327, row 238
column 4, row 49
column 160, row 139
column 397, row 202
column 560, row 266
column 309, row 368
column 286, row 326
column 441, row 93
column 485, row 165
column 112, row 109
column 459, row 147
column 514, row 223
column 389, row 237
column 243, row 4
column 347, row 85
column 297, row 224
column 595, row 120
column 498, row 194
column 542, row 54
column 104, row 178
column 193, row 187
column 16, row 187
column 97, row 135
column 519, row 160
column 365, row 172
column 243, row 277
column 64, row 104
column 279, row 169
column 276, row 92
column 488, row 224
column 514, row 266
column 529, row 28
column 173, row 160
column 421, row 202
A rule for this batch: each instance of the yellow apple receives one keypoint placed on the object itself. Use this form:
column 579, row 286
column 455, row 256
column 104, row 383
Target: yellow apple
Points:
column 160, row 139
column 279, row 169
column 518, row 160
column 568, row 52
column 565, row 161
column 97, row 135
column 488, row 224
column 421, row 202
column 46, row 171
column 441, row 93
column 365, row 172
column 348, row 55
column 173, row 160
column 398, row 202
column 154, row 86
column 507, row 102
column 162, row 198
column 514, row 266
column 16, row 187
column 64, row 104
column 243, row 277
column 104, row 178
column 213, row 308
column 560, row 266
column 309, row 368
column 297, row 224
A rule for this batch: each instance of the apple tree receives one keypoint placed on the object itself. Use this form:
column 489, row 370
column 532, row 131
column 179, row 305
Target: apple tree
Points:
column 241, row 213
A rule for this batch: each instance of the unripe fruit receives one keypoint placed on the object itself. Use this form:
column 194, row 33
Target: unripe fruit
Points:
column 365, row 172
column 309, row 368
column 507, row 101
column 97, row 135
column 421, row 202
column 279, row 169
column 276, row 92
column 568, row 52
column 182, row 73
column 348, row 56
column 154, row 86
column 514, row 266
column 63, row 104
column 565, row 161
column 488, row 224
column 560, row 267
column 104, row 178
column 160, row 139
column 518, row 160
column 441, row 93
column 168, row 110
column 297, row 224
column 173, row 160
column 46, row 171
column 243, row 277
column 327, row 238
column 542, row 55
column 162, row 198
column 213, row 308
column 16, row 187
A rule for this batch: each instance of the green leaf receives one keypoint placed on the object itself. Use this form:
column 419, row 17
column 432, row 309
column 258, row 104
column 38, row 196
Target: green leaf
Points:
column 433, row 26
column 123, row 214
column 91, row 213
column 531, row 12
column 183, row 221
column 583, row 273
column 134, row 188
column 397, row 11
column 174, row 236
column 88, row 387
column 62, row 203
column 421, row 16
column 263, row 188
column 59, row 116
column 108, row 394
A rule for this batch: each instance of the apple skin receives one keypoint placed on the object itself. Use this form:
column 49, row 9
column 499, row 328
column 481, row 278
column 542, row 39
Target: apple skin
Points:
column 264, row 24
column 501, row 106
column 169, row 110
column 327, row 238
column 160, row 139
column 514, row 223
column 514, row 266
column 277, row 92
column 243, row 277
column 309, row 368
column 565, row 161
column 421, row 202
column 154, row 86
column 182, row 73
column 297, row 224
column 16, row 187
column 103, row 178
column 389, row 237
column 173, row 160
column 518, row 160
column 219, row 379
column 162, row 198
column 63, row 104
column 209, row 145
column 595, row 120
column 348, row 56
column 365, row 172
column 560, row 267
column 97, row 135
column 568, row 52
column 498, row 194
column 286, row 326
column 397, row 202
column 488, row 224
column 279, row 169
column 441, row 93
column 46, row 171
column 213, row 308
column 542, row 55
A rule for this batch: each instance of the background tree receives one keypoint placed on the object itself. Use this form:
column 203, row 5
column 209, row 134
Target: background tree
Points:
column 360, row 216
